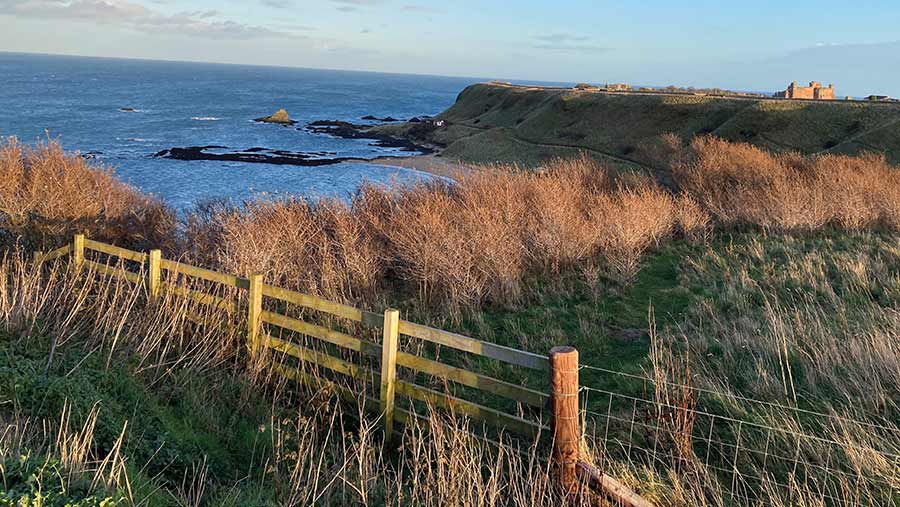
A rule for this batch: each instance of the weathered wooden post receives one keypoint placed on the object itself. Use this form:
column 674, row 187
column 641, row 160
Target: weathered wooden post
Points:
column 254, row 313
column 566, row 419
column 154, row 273
column 389, row 369
column 78, row 250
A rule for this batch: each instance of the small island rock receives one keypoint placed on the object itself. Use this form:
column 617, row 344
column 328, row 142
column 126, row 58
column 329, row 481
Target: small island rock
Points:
column 280, row 117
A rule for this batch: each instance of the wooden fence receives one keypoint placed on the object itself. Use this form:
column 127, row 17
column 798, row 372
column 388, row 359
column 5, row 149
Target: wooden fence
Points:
column 266, row 328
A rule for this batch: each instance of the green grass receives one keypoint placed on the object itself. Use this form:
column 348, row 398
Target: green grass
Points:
column 497, row 124
column 724, row 301
column 173, row 424
column 707, row 291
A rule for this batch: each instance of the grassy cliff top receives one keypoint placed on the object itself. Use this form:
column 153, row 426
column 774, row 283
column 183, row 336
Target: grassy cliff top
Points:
column 501, row 123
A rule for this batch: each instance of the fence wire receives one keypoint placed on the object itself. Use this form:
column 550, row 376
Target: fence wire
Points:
column 736, row 450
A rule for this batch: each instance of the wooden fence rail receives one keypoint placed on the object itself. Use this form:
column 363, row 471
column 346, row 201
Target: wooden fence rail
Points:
column 269, row 330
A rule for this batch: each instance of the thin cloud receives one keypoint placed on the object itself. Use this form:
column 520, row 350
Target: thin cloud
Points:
column 140, row 18
column 354, row 5
column 278, row 4
column 421, row 8
column 567, row 43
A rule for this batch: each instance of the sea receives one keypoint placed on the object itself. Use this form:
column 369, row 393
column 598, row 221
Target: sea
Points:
column 79, row 102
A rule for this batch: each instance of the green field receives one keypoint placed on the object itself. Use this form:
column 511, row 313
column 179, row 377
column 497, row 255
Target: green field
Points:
column 496, row 123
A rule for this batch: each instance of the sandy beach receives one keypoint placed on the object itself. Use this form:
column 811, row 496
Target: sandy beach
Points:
column 432, row 164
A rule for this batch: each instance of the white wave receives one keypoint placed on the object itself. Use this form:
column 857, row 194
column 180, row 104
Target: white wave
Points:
column 205, row 118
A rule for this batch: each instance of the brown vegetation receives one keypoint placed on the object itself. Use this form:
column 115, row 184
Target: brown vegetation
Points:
column 311, row 453
column 479, row 240
column 487, row 238
column 742, row 185
column 48, row 195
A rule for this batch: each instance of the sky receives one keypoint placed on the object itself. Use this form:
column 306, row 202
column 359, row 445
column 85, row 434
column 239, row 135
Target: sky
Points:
column 755, row 46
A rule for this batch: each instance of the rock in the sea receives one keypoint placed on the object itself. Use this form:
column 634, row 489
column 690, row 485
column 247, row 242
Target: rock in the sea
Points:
column 128, row 109
column 280, row 117
column 387, row 119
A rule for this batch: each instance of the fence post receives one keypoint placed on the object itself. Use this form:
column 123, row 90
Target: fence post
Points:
column 389, row 369
column 254, row 313
column 566, row 418
column 154, row 273
column 78, row 250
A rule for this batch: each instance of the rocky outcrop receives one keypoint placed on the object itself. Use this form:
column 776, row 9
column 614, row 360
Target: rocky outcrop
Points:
column 386, row 119
column 280, row 117
column 255, row 155
column 346, row 130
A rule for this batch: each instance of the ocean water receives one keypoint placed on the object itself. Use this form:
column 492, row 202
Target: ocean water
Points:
column 77, row 101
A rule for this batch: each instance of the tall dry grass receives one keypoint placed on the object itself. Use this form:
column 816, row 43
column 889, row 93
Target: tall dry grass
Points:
column 491, row 237
column 805, row 327
column 323, row 454
column 455, row 246
column 742, row 185
column 47, row 195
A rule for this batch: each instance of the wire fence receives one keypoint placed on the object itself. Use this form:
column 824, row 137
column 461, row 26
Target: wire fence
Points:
column 736, row 450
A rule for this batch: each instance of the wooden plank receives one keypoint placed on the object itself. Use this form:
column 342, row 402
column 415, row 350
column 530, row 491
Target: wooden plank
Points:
column 323, row 305
column 200, row 297
column 194, row 317
column 116, row 272
column 313, row 381
column 389, row 345
column 473, row 346
column 405, row 417
column 320, row 359
column 337, row 338
column 205, row 274
column 56, row 254
column 115, row 251
column 471, row 379
column 474, row 411
column 371, row 404
column 603, row 484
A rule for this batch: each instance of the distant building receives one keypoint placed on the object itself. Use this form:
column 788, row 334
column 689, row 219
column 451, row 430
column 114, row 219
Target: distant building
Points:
column 813, row 91
column 618, row 87
column 879, row 98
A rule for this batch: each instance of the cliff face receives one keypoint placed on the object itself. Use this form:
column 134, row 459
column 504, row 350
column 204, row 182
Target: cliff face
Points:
column 499, row 123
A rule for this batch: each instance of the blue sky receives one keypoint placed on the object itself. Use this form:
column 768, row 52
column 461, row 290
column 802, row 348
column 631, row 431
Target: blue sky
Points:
column 759, row 45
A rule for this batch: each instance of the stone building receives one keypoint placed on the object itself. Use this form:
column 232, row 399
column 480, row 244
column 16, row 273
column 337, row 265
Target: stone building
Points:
column 815, row 90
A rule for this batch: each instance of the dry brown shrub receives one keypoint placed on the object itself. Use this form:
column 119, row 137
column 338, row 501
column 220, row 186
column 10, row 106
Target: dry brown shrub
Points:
column 693, row 221
column 320, row 249
column 456, row 246
column 493, row 215
column 431, row 251
column 742, row 185
column 48, row 195
column 558, row 233
column 629, row 221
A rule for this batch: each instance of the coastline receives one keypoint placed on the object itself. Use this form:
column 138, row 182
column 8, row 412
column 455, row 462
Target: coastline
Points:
column 431, row 164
